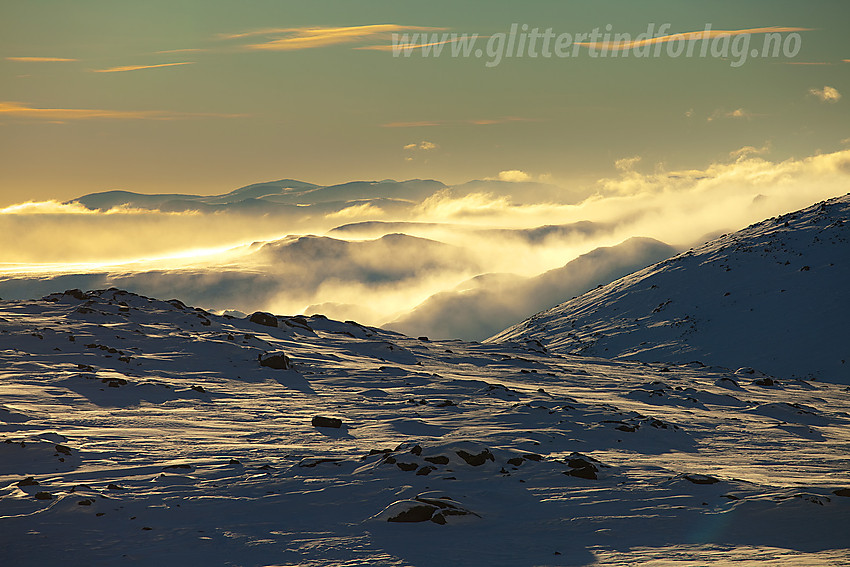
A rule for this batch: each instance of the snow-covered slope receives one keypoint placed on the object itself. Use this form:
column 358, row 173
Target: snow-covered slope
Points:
column 142, row 432
column 772, row 296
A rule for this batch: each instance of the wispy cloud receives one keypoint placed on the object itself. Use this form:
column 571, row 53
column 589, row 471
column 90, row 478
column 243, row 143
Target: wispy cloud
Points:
column 16, row 109
column 319, row 36
column 473, row 122
column 695, row 35
column 826, row 94
column 140, row 67
column 737, row 113
column 185, row 50
column 40, row 59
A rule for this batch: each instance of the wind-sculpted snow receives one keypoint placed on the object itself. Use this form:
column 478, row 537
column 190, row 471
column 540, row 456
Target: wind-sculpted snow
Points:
column 147, row 432
column 772, row 297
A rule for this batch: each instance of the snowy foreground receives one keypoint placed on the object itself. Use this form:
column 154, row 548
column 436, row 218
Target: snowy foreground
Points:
column 142, row 432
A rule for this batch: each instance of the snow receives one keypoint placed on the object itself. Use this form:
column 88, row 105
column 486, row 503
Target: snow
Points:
column 156, row 437
column 771, row 297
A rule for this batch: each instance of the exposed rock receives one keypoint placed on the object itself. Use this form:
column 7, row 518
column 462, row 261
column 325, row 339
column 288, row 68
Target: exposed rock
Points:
column 700, row 479
column 583, row 472
column 476, row 460
column 321, row 421
column 416, row 513
column 263, row 318
column 438, row 460
column 276, row 360
column 28, row 481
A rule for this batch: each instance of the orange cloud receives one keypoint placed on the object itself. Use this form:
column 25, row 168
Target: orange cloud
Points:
column 139, row 67
column 623, row 45
column 61, row 114
column 312, row 37
column 39, row 59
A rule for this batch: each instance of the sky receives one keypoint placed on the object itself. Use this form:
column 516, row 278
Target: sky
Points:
column 206, row 96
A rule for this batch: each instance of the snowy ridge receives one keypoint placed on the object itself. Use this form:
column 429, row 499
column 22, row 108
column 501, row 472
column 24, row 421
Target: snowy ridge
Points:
column 145, row 432
column 771, row 296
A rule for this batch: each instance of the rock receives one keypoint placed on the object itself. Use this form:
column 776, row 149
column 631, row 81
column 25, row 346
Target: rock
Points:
column 516, row 461
column 63, row 449
column 28, row 481
column 76, row 294
column 842, row 492
column 321, row 421
column 580, row 463
column 417, row 513
column 423, row 509
column 438, row 460
column 700, row 479
column 407, row 467
column 416, row 450
column 263, row 318
column 476, row 460
column 584, row 472
column 426, row 470
column 43, row 496
column 276, row 360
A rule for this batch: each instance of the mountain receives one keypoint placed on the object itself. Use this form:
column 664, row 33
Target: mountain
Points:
column 146, row 432
column 487, row 303
column 772, row 296
column 275, row 195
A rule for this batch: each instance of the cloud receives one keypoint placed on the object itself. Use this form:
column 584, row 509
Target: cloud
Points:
column 423, row 145
column 826, row 94
column 514, row 175
column 40, row 59
column 737, row 113
column 747, row 151
column 140, row 67
column 22, row 110
column 687, row 36
column 480, row 221
column 364, row 210
column 185, row 50
column 409, row 47
column 313, row 37
column 627, row 164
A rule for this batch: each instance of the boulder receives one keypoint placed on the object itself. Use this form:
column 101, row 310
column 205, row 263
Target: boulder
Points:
column 263, row 318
